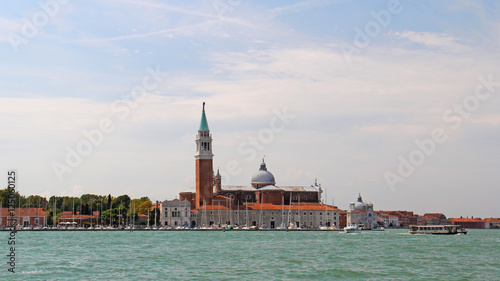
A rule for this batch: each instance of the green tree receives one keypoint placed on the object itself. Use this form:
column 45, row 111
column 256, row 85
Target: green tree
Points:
column 152, row 217
column 134, row 206
column 110, row 201
column 123, row 200
column 37, row 201
column 144, row 207
column 4, row 198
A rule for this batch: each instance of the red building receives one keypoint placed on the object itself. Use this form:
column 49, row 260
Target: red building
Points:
column 67, row 218
column 342, row 218
column 435, row 218
column 405, row 218
column 469, row 223
column 23, row 217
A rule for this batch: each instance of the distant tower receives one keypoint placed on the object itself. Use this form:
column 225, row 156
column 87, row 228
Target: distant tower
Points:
column 218, row 182
column 204, row 164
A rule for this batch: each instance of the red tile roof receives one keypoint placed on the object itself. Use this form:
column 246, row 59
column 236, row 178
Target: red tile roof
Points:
column 23, row 211
column 466, row 220
column 220, row 197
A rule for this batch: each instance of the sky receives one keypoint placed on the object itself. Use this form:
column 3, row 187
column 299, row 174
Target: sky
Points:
column 396, row 100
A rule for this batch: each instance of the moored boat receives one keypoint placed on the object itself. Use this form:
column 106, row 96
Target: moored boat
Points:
column 436, row 229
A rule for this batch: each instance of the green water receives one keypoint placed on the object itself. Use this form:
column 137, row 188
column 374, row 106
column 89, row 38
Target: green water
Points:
column 253, row 255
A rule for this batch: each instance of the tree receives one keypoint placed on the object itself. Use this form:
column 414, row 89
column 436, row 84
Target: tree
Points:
column 134, row 206
column 4, row 198
column 85, row 209
column 124, row 200
column 87, row 198
column 110, row 201
column 37, row 201
column 144, row 207
column 152, row 217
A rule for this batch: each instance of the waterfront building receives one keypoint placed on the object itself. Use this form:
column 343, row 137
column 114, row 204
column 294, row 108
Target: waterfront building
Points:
column 469, row 222
column 361, row 213
column 492, row 223
column 405, row 218
column 435, row 219
column 23, row 217
column 176, row 213
column 387, row 220
column 342, row 218
column 77, row 219
column 263, row 203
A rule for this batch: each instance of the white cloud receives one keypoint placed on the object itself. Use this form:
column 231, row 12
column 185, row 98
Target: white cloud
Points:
column 10, row 29
column 297, row 7
column 433, row 40
column 77, row 191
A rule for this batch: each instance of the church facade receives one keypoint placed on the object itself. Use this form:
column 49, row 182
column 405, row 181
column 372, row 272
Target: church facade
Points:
column 261, row 204
column 361, row 213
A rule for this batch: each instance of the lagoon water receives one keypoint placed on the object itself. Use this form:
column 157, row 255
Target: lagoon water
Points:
column 253, row 255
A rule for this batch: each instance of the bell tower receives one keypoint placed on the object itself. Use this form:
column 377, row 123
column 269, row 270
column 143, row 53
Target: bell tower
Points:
column 204, row 164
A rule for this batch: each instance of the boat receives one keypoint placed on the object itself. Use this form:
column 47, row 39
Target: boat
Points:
column 365, row 227
column 352, row 229
column 436, row 229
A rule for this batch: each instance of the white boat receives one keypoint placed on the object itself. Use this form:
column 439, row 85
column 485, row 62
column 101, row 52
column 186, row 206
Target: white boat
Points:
column 352, row 229
column 436, row 229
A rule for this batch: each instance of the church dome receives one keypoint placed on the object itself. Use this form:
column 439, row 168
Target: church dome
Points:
column 359, row 204
column 263, row 177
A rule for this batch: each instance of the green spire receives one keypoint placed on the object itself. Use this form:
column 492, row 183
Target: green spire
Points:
column 203, row 123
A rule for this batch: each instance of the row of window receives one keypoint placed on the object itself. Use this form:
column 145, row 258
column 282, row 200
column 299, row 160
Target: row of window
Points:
column 284, row 213
column 176, row 214
column 250, row 197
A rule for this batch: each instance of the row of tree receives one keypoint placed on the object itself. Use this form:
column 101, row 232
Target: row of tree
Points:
column 119, row 209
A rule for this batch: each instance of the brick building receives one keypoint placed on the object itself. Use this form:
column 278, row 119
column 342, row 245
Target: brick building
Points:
column 67, row 218
column 266, row 203
column 469, row 222
column 23, row 217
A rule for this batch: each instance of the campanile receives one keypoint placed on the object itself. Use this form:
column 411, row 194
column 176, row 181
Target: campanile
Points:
column 204, row 164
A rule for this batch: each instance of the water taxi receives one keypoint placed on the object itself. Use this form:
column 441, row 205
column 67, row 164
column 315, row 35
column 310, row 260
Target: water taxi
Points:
column 352, row 229
column 436, row 229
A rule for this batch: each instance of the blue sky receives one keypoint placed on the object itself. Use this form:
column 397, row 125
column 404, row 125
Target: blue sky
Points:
column 356, row 117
